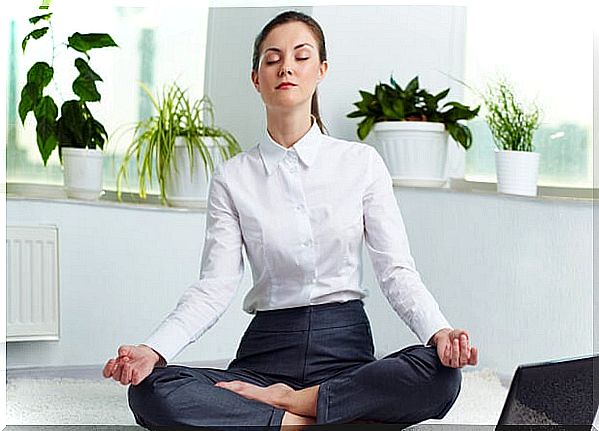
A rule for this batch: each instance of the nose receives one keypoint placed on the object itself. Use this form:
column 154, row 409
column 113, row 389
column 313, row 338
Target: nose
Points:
column 284, row 71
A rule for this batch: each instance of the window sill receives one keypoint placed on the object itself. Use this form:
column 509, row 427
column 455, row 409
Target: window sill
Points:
column 56, row 193
column 459, row 185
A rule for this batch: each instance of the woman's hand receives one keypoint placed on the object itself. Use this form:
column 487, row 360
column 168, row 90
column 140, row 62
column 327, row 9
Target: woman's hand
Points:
column 133, row 364
column 453, row 348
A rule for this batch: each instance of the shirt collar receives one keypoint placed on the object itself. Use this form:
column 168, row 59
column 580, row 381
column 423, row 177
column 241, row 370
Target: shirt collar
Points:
column 306, row 148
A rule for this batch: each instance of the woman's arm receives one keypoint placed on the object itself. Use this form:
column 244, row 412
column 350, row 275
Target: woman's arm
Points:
column 387, row 245
column 222, row 268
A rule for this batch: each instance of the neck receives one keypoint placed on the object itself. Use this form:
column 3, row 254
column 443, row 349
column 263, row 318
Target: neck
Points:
column 286, row 128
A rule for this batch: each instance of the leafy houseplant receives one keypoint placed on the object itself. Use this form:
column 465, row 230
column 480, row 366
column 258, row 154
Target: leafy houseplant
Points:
column 411, row 130
column 176, row 131
column 393, row 103
column 512, row 125
column 75, row 126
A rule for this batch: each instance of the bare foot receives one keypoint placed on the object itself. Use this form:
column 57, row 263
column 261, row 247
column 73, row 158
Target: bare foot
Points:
column 293, row 422
column 275, row 395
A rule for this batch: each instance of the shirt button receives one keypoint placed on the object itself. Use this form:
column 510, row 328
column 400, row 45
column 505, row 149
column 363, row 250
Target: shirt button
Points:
column 299, row 207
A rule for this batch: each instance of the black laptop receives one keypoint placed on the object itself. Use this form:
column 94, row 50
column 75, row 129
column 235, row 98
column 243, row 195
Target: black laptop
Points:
column 553, row 393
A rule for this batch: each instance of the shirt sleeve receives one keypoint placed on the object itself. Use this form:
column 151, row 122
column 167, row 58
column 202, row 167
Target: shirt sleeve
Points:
column 222, row 269
column 389, row 251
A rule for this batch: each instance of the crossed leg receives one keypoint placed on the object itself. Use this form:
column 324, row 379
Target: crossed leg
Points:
column 407, row 386
column 185, row 396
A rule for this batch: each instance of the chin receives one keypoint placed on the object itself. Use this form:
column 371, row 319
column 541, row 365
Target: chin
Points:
column 287, row 102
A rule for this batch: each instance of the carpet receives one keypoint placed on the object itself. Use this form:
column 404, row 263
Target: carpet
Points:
column 93, row 401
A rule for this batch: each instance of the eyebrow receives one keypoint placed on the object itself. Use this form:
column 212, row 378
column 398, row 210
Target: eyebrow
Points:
column 278, row 50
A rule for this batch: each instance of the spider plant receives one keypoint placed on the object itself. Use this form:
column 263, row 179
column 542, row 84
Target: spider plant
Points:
column 153, row 144
column 512, row 124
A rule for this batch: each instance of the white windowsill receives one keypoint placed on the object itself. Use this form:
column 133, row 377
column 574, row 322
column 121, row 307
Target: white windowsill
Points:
column 56, row 193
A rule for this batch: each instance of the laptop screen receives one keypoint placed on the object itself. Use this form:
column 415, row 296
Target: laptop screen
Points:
column 554, row 393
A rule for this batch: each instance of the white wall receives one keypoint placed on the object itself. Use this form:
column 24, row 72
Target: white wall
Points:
column 515, row 272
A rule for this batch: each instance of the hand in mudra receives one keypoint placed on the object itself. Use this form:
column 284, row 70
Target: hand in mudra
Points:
column 133, row 364
column 454, row 349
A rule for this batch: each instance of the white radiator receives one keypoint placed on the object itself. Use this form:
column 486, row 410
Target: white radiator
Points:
column 32, row 311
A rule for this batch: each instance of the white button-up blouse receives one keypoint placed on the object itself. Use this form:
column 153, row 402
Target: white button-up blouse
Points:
column 302, row 214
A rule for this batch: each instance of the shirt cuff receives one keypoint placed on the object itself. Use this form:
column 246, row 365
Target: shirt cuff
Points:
column 168, row 340
column 427, row 326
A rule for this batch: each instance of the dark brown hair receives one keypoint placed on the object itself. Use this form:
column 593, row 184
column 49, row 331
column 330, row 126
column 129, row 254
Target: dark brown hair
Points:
column 294, row 16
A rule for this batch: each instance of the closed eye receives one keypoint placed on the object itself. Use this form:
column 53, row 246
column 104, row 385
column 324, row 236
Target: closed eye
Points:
column 300, row 59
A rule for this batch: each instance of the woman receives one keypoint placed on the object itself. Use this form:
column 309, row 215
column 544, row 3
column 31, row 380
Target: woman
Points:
column 302, row 203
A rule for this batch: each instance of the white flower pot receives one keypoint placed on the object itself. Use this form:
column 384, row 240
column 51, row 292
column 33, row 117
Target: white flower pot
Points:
column 82, row 173
column 517, row 172
column 190, row 189
column 415, row 152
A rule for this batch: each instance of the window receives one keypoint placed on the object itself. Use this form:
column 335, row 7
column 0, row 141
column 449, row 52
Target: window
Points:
column 545, row 51
column 157, row 45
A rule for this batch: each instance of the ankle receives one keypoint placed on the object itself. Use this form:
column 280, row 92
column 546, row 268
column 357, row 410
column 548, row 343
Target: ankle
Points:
column 288, row 401
column 293, row 422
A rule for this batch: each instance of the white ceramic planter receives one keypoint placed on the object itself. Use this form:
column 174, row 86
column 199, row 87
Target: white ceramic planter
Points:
column 82, row 173
column 190, row 189
column 415, row 151
column 517, row 172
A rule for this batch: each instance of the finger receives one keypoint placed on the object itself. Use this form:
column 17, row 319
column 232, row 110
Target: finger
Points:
column 455, row 353
column 447, row 355
column 115, row 365
column 126, row 374
column 441, row 353
column 134, row 377
column 116, row 375
column 107, row 370
column 124, row 350
column 464, row 350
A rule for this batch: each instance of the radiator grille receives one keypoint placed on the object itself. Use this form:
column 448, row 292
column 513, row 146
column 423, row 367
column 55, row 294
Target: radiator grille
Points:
column 32, row 306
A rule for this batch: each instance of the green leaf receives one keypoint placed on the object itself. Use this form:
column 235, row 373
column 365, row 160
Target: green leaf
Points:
column 46, row 138
column 46, row 108
column 41, row 74
column 442, row 95
column 85, row 42
column 36, row 34
column 399, row 109
column 45, row 114
column 71, row 123
column 365, row 127
column 83, row 68
column 395, row 84
column 460, row 134
column 412, row 86
column 459, row 112
column 367, row 97
column 356, row 114
column 456, row 105
column 97, row 134
column 379, row 93
column 84, row 85
column 388, row 111
column 30, row 95
column 35, row 19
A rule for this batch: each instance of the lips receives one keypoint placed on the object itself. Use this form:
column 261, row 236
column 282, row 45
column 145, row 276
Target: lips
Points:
column 286, row 85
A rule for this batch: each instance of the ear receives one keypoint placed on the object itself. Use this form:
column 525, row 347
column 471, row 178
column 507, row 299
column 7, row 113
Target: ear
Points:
column 255, row 81
column 322, row 70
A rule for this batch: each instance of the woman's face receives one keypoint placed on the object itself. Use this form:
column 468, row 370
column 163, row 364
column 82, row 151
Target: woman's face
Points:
column 288, row 54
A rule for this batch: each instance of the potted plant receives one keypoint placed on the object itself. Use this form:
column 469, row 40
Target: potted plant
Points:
column 411, row 131
column 170, row 142
column 79, row 136
column 512, row 125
